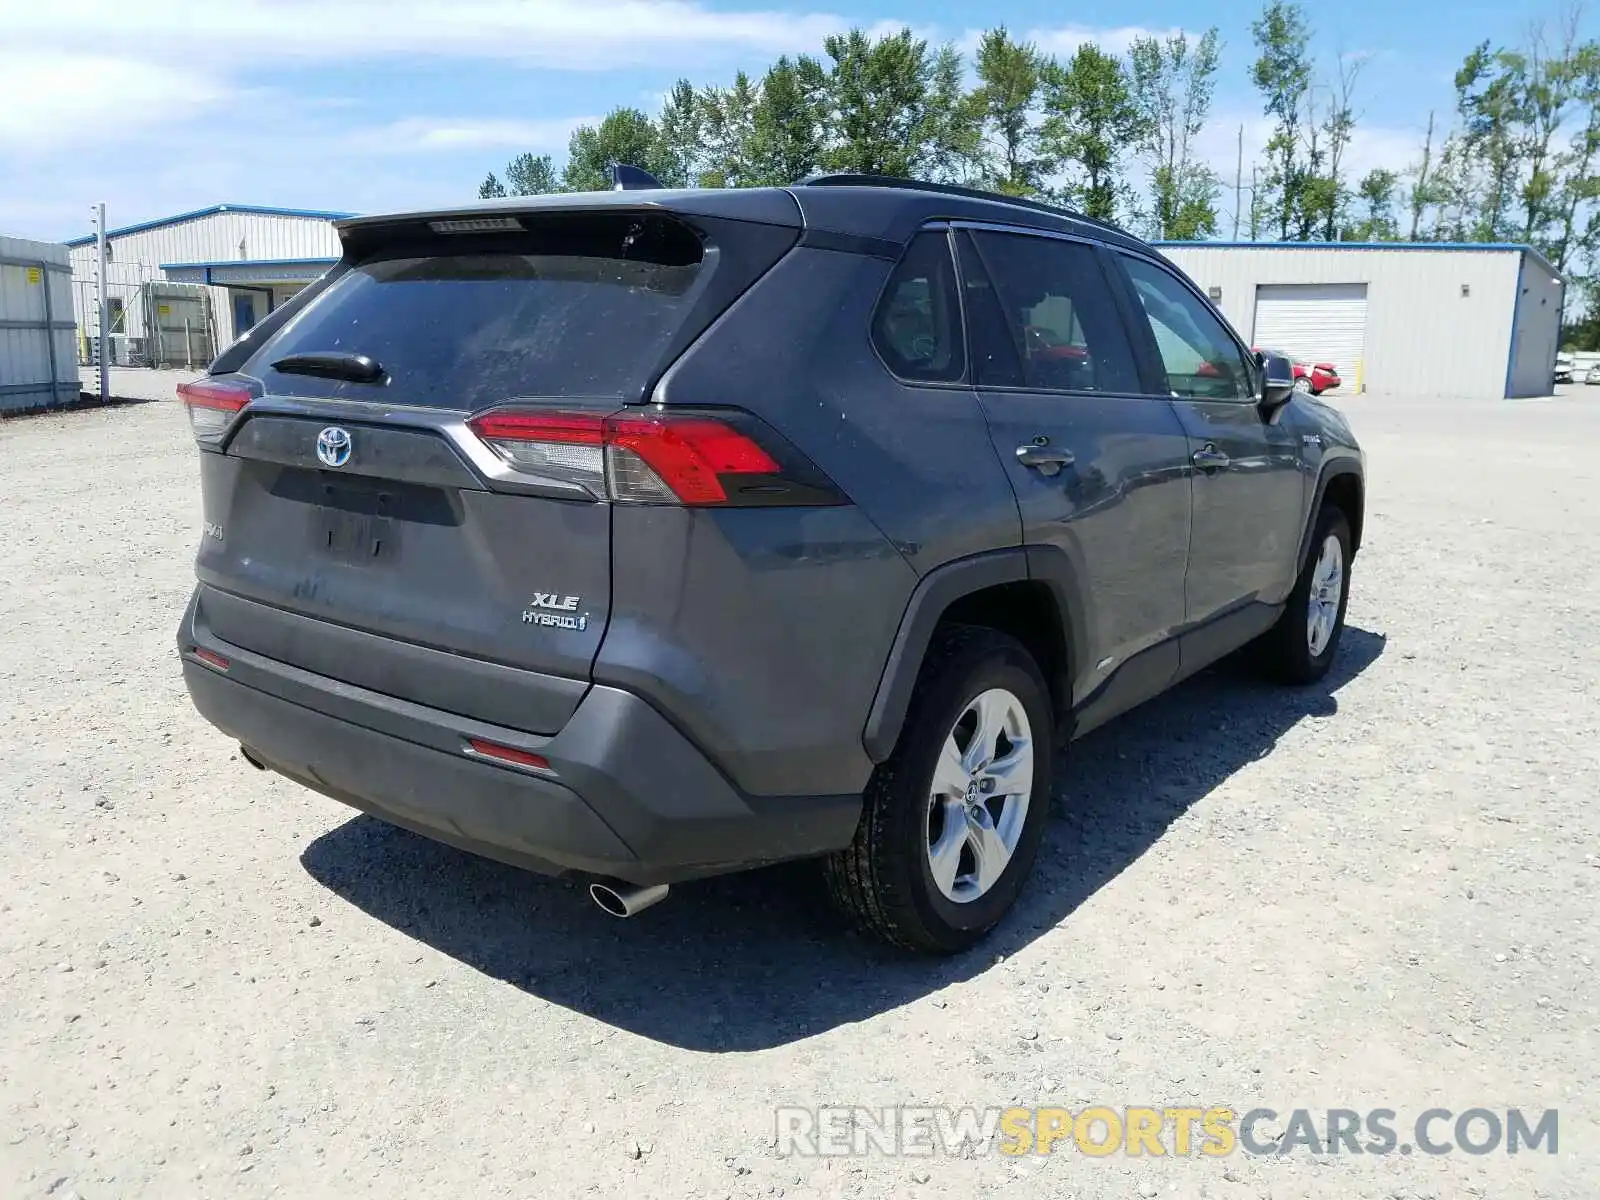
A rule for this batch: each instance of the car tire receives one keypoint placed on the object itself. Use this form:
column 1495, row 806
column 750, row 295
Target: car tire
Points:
column 1301, row 647
column 1303, row 385
column 913, row 824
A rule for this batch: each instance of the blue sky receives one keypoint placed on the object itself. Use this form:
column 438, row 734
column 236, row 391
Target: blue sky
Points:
column 159, row 106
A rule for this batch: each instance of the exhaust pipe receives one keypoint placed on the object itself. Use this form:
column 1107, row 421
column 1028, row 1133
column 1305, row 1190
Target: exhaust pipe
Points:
column 249, row 756
column 625, row 900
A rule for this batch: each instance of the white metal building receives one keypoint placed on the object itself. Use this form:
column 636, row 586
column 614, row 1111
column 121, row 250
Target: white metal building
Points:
column 182, row 287
column 1410, row 318
column 38, row 368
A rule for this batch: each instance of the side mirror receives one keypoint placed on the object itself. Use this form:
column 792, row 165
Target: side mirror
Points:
column 1277, row 380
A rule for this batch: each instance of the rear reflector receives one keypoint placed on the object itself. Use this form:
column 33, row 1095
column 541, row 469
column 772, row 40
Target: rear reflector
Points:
column 211, row 658
column 710, row 457
column 212, row 405
column 510, row 754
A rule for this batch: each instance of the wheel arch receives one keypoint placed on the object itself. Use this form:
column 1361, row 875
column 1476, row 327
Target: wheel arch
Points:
column 1019, row 591
column 1343, row 484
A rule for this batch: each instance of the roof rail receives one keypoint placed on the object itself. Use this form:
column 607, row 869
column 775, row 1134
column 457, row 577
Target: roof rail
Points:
column 846, row 179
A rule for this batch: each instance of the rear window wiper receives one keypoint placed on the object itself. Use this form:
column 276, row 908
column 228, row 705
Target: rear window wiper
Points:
column 357, row 368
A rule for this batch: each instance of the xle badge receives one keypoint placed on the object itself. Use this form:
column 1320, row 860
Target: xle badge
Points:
column 555, row 612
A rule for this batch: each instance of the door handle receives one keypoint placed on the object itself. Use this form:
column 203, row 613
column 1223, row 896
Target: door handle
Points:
column 1209, row 458
column 1048, row 459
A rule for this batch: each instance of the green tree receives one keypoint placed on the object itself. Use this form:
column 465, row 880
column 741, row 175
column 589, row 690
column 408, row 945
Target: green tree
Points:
column 728, row 121
column 680, row 151
column 1377, row 193
column 1424, row 186
column 491, row 188
column 1172, row 82
column 951, row 129
column 1579, row 186
column 787, row 127
column 1282, row 73
column 626, row 136
column 892, row 108
column 1338, row 127
column 1491, row 89
column 1008, row 102
column 1092, row 121
column 530, row 175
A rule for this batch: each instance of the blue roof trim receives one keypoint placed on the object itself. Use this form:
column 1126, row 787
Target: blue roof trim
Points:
column 250, row 262
column 213, row 210
column 1518, row 247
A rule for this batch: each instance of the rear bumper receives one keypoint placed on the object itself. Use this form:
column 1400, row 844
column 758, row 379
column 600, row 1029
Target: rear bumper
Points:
column 625, row 796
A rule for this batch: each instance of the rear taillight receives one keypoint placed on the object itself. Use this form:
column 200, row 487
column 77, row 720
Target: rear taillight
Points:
column 702, row 457
column 212, row 405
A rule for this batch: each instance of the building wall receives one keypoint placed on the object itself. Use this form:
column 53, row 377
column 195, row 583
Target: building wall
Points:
column 38, row 367
column 1536, row 335
column 215, row 237
column 1424, row 337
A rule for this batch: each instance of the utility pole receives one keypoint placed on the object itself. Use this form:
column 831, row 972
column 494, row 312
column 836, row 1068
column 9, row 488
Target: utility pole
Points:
column 1238, row 185
column 104, row 305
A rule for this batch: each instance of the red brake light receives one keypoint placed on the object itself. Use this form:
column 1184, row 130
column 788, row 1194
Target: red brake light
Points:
column 651, row 456
column 211, row 658
column 211, row 405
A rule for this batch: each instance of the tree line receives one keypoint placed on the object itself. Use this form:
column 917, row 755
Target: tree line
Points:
column 1107, row 135
column 1115, row 136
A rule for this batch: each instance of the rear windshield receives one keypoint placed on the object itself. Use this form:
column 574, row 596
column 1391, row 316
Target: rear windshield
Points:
column 581, row 307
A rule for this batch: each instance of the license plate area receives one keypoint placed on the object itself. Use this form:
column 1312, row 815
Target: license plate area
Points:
column 357, row 525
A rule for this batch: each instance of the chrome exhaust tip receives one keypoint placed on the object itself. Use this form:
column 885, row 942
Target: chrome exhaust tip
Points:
column 624, row 900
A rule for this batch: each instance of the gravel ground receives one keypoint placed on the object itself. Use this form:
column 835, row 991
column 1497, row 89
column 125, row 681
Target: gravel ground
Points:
column 1379, row 893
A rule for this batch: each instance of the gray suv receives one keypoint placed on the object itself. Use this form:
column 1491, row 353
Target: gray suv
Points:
column 651, row 535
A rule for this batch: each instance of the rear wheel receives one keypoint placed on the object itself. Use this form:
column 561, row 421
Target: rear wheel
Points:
column 1301, row 646
column 1303, row 385
column 951, row 821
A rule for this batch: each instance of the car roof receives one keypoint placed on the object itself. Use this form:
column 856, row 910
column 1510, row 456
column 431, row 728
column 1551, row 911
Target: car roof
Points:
column 859, row 206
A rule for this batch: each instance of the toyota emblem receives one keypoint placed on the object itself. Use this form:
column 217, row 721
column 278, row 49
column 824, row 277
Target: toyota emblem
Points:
column 333, row 446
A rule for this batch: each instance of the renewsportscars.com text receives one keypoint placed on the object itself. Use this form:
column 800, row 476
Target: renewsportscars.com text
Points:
column 1100, row 1131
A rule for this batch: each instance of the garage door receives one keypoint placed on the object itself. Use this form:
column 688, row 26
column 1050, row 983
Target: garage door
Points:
column 1315, row 322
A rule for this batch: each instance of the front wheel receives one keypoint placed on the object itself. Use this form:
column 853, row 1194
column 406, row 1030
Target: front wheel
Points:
column 951, row 821
column 1303, row 385
column 1301, row 646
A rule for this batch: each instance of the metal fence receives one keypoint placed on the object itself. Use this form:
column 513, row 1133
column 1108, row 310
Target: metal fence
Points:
column 151, row 322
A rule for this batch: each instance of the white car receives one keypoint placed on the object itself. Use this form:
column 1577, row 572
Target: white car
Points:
column 1564, row 368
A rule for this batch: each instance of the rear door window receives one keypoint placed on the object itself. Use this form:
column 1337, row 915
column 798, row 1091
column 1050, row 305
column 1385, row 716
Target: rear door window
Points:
column 1060, row 314
column 580, row 307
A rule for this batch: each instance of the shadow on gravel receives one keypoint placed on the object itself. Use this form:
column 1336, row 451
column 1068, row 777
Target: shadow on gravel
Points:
column 83, row 403
column 753, row 961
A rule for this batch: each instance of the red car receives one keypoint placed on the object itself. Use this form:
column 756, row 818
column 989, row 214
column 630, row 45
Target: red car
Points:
column 1316, row 378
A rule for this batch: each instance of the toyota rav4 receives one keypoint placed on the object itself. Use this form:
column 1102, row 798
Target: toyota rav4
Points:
column 650, row 535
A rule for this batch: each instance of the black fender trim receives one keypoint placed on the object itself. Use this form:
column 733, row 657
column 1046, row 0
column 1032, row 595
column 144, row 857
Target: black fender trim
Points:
column 934, row 593
column 1331, row 470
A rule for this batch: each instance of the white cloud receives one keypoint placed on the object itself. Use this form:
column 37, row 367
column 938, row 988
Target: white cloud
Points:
column 1064, row 40
column 468, row 133
column 72, row 100
column 547, row 33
